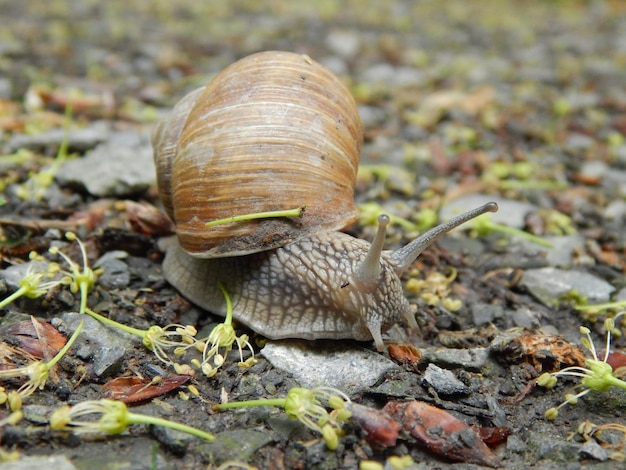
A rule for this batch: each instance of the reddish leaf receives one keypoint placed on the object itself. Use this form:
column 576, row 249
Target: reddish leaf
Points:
column 441, row 433
column 404, row 354
column 40, row 339
column 494, row 436
column 380, row 428
column 616, row 360
column 134, row 389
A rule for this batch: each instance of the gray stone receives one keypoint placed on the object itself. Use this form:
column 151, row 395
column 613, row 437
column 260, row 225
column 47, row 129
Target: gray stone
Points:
column 549, row 284
column 119, row 167
column 104, row 345
column 49, row 462
column 551, row 448
column 594, row 450
column 486, row 313
column 77, row 140
column 469, row 359
column 444, row 381
column 348, row 368
column 116, row 274
column 234, row 445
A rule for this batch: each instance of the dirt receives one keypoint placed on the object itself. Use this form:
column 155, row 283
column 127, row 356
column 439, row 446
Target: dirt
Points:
column 520, row 101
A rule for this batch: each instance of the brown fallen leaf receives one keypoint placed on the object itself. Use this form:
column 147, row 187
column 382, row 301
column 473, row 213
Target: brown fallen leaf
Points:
column 546, row 353
column 617, row 361
column 135, row 389
column 379, row 427
column 493, row 436
column 40, row 339
column 441, row 433
column 404, row 354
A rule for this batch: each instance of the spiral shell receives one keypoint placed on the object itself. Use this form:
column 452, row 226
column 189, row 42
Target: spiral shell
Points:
column 272, row 131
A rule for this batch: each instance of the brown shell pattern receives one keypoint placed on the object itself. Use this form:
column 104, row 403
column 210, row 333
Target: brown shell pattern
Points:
column 273, row 131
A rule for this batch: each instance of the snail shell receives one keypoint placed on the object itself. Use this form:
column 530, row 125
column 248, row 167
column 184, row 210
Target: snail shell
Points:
column 273, row 131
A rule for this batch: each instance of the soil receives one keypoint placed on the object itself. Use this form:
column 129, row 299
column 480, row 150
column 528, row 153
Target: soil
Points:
column 521, row 101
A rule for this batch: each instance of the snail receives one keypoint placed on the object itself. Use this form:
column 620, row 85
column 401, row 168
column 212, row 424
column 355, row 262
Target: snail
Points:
column 273, row 131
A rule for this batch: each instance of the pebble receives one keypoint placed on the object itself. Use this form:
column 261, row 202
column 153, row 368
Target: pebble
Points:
column 348, row 368
column 549, row 284
column 103, row 345
column 123, row 166
column 236, row 445
column 116, row 273
column 78, row 140
column 563, row 248
column 594, row 450
column 50, row 462
column 444, row 382
column 343, row 43
column 483, row 313
column 468, row 359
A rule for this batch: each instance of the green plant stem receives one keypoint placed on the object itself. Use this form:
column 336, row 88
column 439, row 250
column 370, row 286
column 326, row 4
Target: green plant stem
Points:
column 604, row 306
column 84, row 292
column 128, row 329
column 67, row 346
column 519, row 233
column 136, row 418
column 278, row 402
column 15, row 295
column 297, row 212
column 229, row 305
column 615, row 382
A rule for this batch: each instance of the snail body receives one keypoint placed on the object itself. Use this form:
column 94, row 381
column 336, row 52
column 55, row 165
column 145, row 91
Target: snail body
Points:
column 296, row 138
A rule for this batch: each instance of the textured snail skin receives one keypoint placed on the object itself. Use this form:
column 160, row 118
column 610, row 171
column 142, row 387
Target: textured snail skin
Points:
column 302, row 290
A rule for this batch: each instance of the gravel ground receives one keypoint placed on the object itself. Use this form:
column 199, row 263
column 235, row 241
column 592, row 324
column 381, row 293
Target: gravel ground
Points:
column 523, row 103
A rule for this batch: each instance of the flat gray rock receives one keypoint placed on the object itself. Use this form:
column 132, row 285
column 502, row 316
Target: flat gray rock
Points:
column 51, row 462
column 348, row 368
column 121, row 166
column 549, row 284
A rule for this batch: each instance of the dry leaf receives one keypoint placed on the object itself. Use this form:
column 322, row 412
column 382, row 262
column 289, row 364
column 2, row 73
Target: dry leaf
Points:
column 441, row 433
column 135, row 389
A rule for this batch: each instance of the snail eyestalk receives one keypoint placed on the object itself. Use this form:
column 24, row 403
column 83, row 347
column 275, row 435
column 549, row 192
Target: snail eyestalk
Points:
column 404, row 257
column 368, row 270
column 297, row 212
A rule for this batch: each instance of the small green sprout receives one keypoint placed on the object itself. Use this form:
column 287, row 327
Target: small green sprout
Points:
column 595, row 309
column 484, row 225
column 114, row 420
column 34, row 283
column 37, row 371
column 297, row 212
column 556, row 223
column 309, row 406
column 223, row 336
column 35, row 188
column 82, row 280
column 435, row 289
column 518, row 176
column 598, row 375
